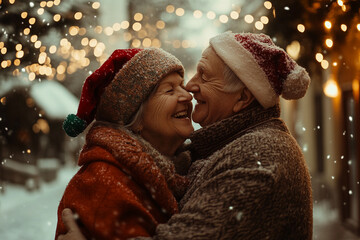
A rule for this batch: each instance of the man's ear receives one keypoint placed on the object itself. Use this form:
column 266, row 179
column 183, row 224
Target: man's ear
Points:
column 245, row 99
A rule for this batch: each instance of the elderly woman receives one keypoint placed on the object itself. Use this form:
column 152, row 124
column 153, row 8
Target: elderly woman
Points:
column 127, row 183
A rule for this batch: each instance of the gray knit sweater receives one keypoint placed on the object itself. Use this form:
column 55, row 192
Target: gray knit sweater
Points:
column 249, row 181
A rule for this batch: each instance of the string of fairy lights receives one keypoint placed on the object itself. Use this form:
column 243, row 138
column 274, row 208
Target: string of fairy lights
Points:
column 78, row 58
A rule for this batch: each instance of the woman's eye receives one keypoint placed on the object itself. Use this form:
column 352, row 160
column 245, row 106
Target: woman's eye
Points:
column 169, row 90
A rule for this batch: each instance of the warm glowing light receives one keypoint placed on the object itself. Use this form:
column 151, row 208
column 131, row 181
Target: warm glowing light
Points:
column 327, row 24
column 329, row 43
column 24, row 14
column 93, row 42
column 50, row 4
column 37, row 44
column 17, row 62
column 324, row 64
column 264, row 19
column 138, row 17
column 42, row 58
column 355, row 85
column 177, row 44
column 267, row 5
column 3, row 50
column 1, row 45
column 331, row 88
column 61, row 69
column 249, row 18
column 142, row 33
column 293, row 49
column 4, row 64
column 18, row 47
column 136, row 26
column 301, row 28
column 33, row 38
column 125, row 24
column 340, row 3
column 26, row 31
column 85, row 41
column 32, row 76
column 127, row 36
column 73, row 30
column 116, row 26
column 82, row 31
column 78, row 15
column 146, row 42
column 40, row 11
column 136, row 43
column 108, row 31
column 211, row 15
column 319, row 57
column 234, row 15
column 32, row 20
column 343, row 27
column 52, row 49
column 335, row 64
column 160, row 24
column 185, row 43
column 19, row 54
column 197, row 14
column 180, row 12
column 259, row 25
column 57, row 2
column 95, row 5
column 358, row 26
column 98, row 29
column 11, row 1
column 170, row 8
column 156, row 43
column 57, row 17
column 223, row 19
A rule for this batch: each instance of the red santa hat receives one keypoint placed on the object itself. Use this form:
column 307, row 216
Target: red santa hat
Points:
column 115, row 91
column 266, row 69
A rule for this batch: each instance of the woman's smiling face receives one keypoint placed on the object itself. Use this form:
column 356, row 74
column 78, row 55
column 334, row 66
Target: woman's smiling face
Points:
column 167, row 113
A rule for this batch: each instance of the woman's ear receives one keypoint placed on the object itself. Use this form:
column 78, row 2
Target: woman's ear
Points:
column 245, row 99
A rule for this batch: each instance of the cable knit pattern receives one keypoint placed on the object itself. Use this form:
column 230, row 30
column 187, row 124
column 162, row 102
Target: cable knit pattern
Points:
column 256, row 186
column 124, row 187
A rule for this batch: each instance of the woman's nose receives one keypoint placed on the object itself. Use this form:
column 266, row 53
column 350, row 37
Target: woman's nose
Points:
column 184, row 96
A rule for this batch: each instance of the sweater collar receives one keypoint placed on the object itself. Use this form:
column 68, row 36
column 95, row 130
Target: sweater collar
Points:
column 209, row 139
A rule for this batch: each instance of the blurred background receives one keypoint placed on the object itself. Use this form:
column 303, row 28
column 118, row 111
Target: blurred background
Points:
column 48, row 48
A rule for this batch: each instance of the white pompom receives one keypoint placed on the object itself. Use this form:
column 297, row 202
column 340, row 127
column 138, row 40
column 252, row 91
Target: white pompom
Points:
column 296, row 83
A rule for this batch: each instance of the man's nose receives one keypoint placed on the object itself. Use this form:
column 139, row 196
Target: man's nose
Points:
column 192, row 85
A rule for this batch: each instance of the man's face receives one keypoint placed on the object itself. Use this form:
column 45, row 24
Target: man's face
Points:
column 213, row 104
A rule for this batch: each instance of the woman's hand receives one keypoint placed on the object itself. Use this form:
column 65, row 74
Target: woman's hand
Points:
column 73, row 232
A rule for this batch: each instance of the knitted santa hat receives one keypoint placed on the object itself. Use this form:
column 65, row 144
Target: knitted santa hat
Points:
column 266, row 69
column 115, row 91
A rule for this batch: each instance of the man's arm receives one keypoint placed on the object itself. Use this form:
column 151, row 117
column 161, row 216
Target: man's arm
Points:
column 225, row 205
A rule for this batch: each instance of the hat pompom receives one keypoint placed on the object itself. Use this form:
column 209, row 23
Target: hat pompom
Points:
column 296, row 83
column 73, row 125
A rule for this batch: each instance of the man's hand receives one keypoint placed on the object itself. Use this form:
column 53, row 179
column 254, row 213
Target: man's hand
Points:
column 74, row 232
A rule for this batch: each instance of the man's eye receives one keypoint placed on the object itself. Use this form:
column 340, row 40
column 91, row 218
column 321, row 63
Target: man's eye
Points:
column 169, row 90
column 203, row 77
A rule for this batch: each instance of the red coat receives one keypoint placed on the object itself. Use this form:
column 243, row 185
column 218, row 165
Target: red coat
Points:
column 121, row 190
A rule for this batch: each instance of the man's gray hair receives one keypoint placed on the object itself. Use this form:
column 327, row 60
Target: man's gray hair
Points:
column 232, row 82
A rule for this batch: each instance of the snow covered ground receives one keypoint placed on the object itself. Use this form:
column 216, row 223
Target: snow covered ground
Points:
column 33, row 215
column 28, row 215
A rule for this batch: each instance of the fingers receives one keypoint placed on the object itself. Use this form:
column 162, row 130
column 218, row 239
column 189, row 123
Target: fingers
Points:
column 73, row 230
column 68, row 220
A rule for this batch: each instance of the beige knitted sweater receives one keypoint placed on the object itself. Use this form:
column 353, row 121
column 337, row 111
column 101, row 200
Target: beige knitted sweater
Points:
column 249, row 181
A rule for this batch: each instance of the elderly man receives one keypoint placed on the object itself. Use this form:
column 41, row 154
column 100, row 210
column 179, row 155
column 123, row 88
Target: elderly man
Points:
column 248, row 177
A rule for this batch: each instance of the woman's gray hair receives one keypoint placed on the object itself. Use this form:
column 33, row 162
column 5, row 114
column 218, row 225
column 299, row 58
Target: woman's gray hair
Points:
column 136, row 119
column 232, row 82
